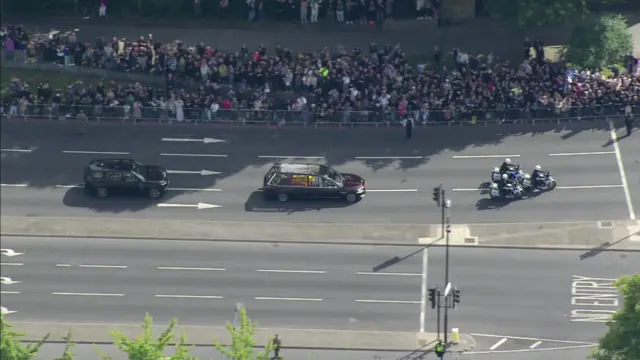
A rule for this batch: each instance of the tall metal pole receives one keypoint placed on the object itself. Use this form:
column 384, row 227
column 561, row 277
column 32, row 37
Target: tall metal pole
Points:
column 446, row 269
column 423, row 303
column 438, row 311
column 442, row 205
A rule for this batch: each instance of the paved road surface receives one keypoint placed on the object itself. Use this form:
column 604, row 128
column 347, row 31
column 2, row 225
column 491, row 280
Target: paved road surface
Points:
column 400, row 175
column 505, row 293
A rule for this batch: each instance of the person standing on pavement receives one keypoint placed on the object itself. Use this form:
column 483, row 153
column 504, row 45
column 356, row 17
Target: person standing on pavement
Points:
column 408, row 127
column 82, row 121
column 628, row 119
column 276, row 347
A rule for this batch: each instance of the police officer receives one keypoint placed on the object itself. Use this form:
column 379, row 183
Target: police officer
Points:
column 81, row 118
column 538, row 175
column 408, row 127
column 440, row 349
column 276, row 347
column 628, row 119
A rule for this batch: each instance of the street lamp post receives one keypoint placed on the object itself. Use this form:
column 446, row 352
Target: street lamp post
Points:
column 447, row 211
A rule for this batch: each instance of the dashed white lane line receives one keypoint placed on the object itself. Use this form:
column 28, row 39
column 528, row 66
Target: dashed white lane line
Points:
column 189, row 268
column 392, row 190
column 292, row 271
column 389, row 157
column 291, row 157
column 9, row 292
column 623, row 175
column 195, row 155
column 11, row 264
column 189, row 297
column 387, row 302
column 584, row 153
column 95, row 152
column 14, row 185
column 285, row 298
column 94, row 266
column 579, row 187
column 535, row 344
column 17, row 150
column 485, row 156
column 387, row 274
column 86, row 294
column 498, row 344
column 79, row 186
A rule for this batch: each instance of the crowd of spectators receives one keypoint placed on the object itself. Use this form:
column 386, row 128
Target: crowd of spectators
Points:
column 374, row 84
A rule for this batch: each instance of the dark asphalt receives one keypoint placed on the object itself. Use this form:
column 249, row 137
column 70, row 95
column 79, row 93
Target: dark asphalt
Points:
column 590, row 186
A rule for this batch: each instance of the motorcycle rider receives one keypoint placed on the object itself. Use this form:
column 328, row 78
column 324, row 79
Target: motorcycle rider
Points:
column 507, row 166
column 506, row 184
column 538, row 175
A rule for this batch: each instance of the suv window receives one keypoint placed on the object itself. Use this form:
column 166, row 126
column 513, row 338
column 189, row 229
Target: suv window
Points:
column 129, row 177
column 98, row 175
column 114, row 176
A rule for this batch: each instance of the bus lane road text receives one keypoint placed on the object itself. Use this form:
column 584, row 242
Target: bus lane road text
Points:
column 593, row 299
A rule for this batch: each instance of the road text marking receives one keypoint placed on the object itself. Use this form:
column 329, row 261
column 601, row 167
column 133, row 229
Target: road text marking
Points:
column 585, row 153
column 485, row 156
column 189, row 268
column 86, row 294
column 591, row 297
column 195, row 155
column 95, row 152
column 285, row 299
column 387, row 274
column 199, row 206
column 293, row 271
column 189, row 296
column 623, row 175
column 387, row 302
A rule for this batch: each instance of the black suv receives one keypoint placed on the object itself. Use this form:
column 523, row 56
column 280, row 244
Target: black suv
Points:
column 285, row 181
column 106, row 177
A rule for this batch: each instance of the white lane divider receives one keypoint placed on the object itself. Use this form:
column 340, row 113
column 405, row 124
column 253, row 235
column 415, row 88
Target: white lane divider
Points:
column 285, row 298
column 94, row 266
column 623, row 175
column 14, row 185
column 10, row 292
column 189, row 297
column 189, row 268
column 80, row 186
column 197, row 172
column 392, row 190
column 11, row 264
column 579, row 187
column 498, row 344
column 585, row 153
column 86, row 294
column 387, row 274
column 95, row 152
column 485, row 156
column 292, row 271
column 195, row 155
column 291, row 157
column 204, row 141
column 17, row 150
column 390, row 157
column 387, row 302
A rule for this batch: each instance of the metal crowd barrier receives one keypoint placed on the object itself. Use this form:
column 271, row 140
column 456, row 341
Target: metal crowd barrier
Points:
column 139, row 114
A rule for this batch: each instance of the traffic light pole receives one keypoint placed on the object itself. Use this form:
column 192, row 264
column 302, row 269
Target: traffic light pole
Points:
column 446, row 271
column 438, row 311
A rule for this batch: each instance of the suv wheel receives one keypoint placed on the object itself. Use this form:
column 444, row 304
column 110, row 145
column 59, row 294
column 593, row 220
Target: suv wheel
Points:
column 154, row 193
column 102, row 192
column 282, row 197
column 351, row 198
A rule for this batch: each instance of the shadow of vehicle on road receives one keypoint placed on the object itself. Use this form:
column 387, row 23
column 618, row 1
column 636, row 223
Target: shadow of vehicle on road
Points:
column 491, row 204
column 80, row 198
column 256, row 202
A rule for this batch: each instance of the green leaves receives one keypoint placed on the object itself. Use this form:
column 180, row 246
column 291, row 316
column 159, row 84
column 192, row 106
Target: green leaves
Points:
column 10, row 346
column 242, row 343
column 605, row 43
column 542, row 12
column 622, row 340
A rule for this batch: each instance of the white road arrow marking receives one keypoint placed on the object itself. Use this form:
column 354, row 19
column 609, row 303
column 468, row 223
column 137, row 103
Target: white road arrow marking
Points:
column 199, row 206
column 9, row 252
column 8, row 281
column 205, row 140
column 201, row 172
column 6, row 311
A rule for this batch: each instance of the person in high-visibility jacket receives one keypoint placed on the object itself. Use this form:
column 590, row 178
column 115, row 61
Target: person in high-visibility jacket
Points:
column 324, row 72
column 440, row 349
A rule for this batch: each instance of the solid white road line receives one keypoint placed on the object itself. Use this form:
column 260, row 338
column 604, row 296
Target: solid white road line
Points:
column 10, row 292
column 293, row 271
column 195, row 155
column 387, row 302
column 393, row 190
column 291, row 157
column 285, row 299
column 95, row 152
column 387, row 274
column 86, row 294
column 585, row 153
column 389, row 157
column 189, row 296
column 485, row 156
column 14, row 185
column 579, row 187
column 189, row 268
column 623, row 175
column 11, row 264
column 498, row 344
column 95, row 266
column 17, row 150
column 535, row 344
column 169, row 189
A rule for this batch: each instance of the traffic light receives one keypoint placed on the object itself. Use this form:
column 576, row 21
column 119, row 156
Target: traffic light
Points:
column 437, row 191
column 456, row 297
column 433, row 297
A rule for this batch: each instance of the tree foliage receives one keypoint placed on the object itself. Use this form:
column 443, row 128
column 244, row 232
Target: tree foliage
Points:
column 10, row 346
column 542, row 12
column 605, row 43
column 146, row 347
column 242, row 345
column 622, row 339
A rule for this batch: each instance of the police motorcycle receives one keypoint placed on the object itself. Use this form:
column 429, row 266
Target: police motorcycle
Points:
column 512, row 189
column 506, row 168
column 543, row 180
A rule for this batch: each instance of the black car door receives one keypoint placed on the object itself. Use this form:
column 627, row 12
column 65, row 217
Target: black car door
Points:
column 330, row 189
column 131, row 184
